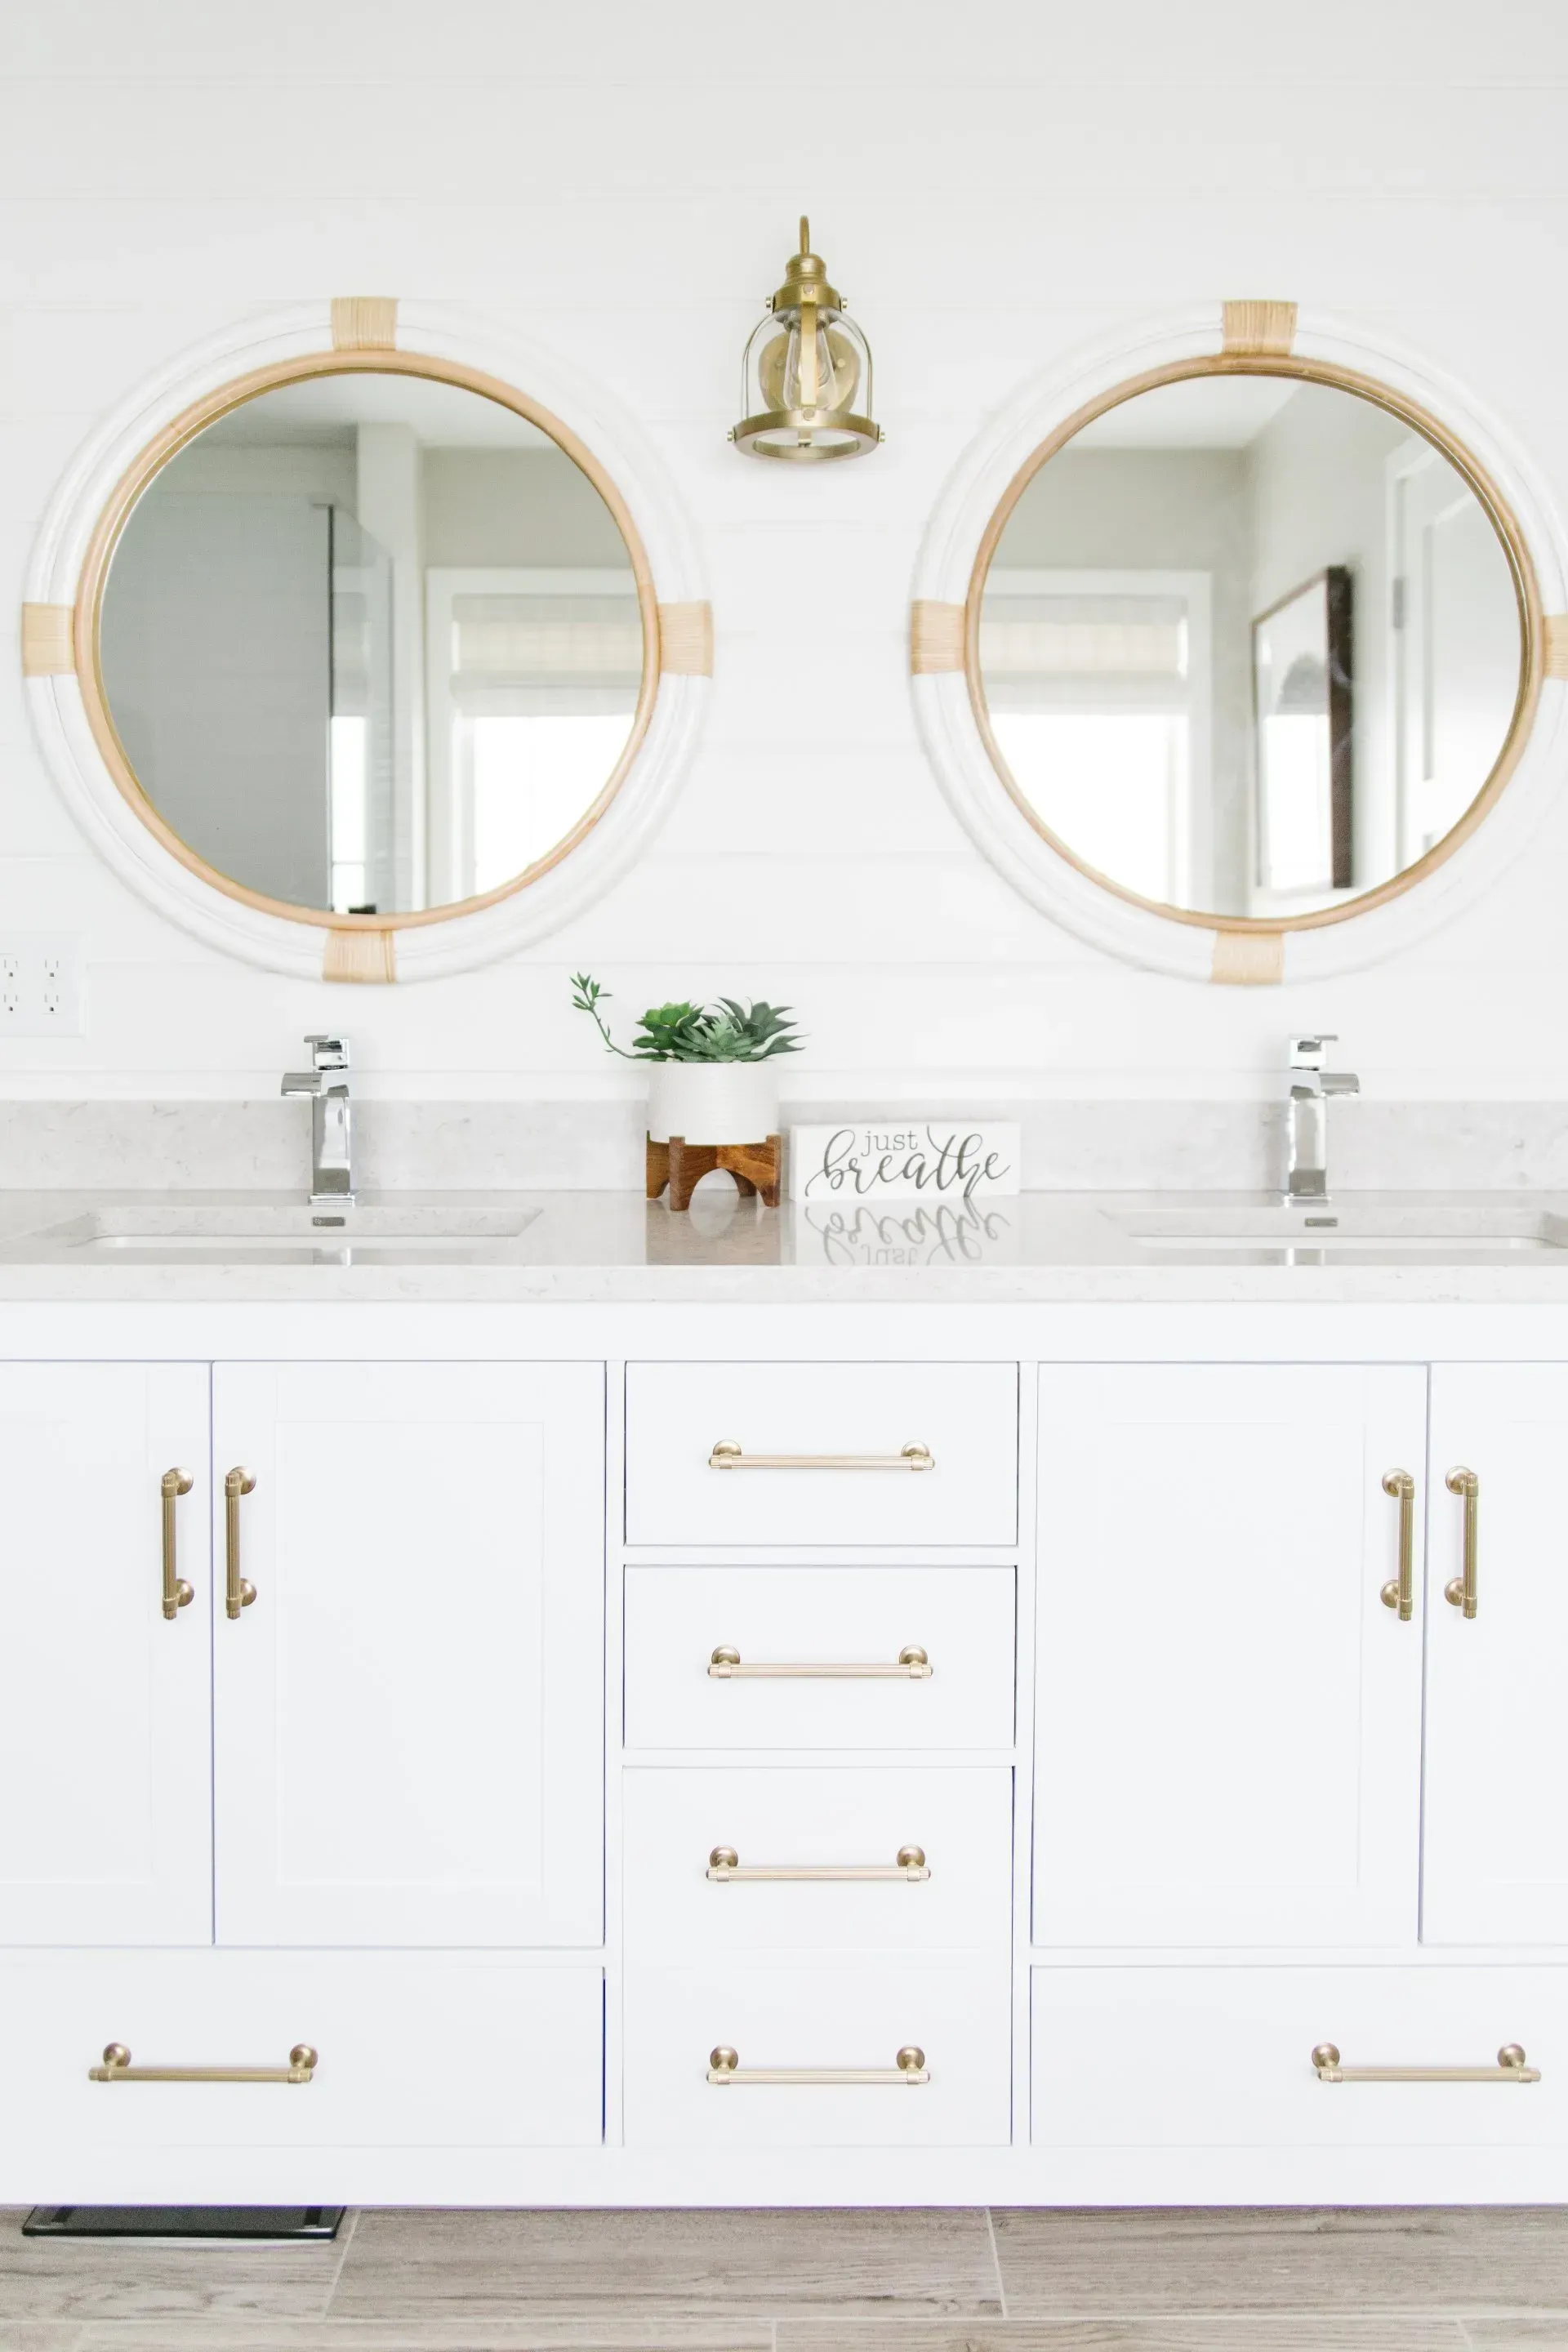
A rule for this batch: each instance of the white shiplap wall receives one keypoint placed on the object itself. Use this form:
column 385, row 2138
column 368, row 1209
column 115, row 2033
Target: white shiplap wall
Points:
column 990, row 186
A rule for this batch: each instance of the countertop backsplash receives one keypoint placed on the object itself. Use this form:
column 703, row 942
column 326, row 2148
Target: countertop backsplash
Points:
column 587, row 1146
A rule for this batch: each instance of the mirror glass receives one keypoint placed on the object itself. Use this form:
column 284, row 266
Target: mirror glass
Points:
column 1249, row 646
column 372, row 643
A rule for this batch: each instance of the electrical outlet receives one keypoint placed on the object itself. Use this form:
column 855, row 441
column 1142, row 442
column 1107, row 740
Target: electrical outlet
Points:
column 41, row 984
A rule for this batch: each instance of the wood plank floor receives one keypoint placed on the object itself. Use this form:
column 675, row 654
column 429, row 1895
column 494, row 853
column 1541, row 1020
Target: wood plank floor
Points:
column 1489, row 2279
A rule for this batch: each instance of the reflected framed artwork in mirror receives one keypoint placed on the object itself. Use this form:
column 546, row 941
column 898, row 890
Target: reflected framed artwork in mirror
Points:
column 369, row 640
column 1249, row 640
column 1303, row 740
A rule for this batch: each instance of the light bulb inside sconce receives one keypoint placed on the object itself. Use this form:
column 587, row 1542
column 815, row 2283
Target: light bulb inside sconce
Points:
column 810, row 368
column 806, row 367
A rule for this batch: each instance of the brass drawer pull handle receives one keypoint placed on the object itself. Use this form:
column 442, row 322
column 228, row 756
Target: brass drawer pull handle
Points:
column 728, row 1456
column 913, row 1667
column 1401, row 1593
column 117, row 2068
column 1509, row 2068
column 1462, row 1590
column 909, row 2070
column 241, row 1592
column 177, row 1593
column 726, row 1866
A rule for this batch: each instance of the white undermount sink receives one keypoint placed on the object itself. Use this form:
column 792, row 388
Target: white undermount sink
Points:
column 283, row 1233
column 1308, row 1235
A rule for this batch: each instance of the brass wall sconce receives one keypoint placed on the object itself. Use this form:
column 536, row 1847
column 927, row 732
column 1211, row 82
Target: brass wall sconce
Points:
column 805, row 367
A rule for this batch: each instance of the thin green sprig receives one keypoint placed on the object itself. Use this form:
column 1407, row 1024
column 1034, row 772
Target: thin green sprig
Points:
column 727, row 1031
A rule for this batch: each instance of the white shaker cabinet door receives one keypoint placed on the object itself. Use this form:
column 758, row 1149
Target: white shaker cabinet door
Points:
column 1227, row 1716
column 409, row 1713
column 105, row 1701
column 1497, row 1680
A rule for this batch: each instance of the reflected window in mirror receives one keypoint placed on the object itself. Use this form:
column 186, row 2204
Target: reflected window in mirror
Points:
column 372, row 643
column 1249, row 644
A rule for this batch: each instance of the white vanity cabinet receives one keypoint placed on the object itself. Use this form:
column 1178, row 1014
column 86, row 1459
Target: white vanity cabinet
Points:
column 384, row 1653
column 105, row 1723
column 1495, row 1862
column 1228, row 1740
column 409, row 1740
column 818, row 1892
column 619, row 1827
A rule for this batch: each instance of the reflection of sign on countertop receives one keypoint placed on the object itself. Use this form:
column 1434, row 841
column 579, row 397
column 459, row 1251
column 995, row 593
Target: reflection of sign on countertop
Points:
column 945, row 1233
column 934, row 1159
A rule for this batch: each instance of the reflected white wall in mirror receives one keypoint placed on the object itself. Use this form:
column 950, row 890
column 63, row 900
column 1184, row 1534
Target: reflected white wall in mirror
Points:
column 372, row 643
column 1250, row 645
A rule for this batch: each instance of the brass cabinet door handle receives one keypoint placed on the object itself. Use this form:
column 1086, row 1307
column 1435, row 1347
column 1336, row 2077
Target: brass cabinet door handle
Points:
column 728, row 1456
column 117, row 2068
column 177, row 1593
column 725, row 1867
column 1462, row 1591
column 1509, row 2068
column 913, row 1667
column 1400, row 1592
column 241, row 1592
column 909, row 2071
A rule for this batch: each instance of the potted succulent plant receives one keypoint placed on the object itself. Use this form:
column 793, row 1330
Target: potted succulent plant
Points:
column 708, row 1076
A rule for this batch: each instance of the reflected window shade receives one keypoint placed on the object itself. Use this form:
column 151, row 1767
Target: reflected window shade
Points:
column 1084, row 653
column 545, row 655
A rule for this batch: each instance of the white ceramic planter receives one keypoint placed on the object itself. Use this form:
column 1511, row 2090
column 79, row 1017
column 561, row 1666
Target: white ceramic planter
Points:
column 712, row 1102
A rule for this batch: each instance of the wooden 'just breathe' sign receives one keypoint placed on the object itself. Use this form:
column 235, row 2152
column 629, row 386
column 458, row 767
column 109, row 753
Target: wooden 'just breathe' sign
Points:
column 942, row 1160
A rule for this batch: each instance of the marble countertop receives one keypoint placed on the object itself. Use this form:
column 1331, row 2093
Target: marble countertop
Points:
column 608, row 1247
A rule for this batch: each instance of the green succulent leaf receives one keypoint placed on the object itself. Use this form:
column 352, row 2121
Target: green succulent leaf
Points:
column 726, row 1031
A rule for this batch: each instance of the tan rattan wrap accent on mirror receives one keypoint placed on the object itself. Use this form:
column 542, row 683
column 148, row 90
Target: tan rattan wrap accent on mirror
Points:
column 1260, row 327
column 364, row 956
column 686, row 640
column 48, row 641
column 1248, row 959
column 364, row 322
column 936, row 637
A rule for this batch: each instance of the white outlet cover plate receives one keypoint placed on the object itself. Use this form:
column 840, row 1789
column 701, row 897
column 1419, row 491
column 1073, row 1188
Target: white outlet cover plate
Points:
column 41, row 993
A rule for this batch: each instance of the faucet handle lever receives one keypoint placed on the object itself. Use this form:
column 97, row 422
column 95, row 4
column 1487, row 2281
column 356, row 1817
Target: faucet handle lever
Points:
column 329, row 1053
column 1307, row 1053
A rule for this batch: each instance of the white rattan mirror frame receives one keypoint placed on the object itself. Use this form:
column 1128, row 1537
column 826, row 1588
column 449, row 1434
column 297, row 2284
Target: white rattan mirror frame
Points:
column 949, row 703
column 59, row 639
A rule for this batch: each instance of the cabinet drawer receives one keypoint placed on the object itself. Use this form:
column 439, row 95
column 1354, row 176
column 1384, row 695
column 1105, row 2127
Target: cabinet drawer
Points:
column 965, row 1416
column 1195, row 2057
column 963, row 1618
column 818, row 2017
column 411, row 2051
column 791, row 1818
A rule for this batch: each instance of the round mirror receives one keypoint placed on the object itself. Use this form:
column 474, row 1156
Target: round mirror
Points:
column 1251, row 643
column 372, row 643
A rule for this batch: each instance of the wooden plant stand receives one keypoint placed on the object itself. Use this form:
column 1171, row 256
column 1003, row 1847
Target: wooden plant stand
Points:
column 756, row 1167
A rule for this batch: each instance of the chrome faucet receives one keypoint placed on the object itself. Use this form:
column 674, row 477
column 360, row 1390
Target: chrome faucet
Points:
column 1307, row 1168
column 326, row 1083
